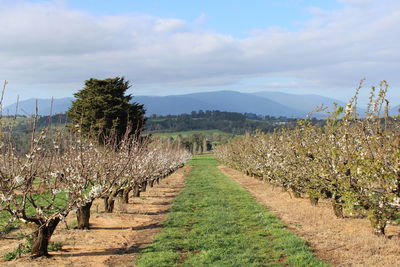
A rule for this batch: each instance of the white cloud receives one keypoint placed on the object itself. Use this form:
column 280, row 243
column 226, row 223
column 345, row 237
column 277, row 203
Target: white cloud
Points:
column 168, row 25
column 52, row 45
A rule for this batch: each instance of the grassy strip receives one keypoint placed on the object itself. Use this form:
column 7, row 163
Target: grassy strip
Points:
column 215, row 222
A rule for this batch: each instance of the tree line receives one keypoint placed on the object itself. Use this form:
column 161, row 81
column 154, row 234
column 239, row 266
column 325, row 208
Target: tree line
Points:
column 229, row 122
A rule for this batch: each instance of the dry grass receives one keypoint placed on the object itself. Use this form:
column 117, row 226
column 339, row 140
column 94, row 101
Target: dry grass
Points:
column 342, row 242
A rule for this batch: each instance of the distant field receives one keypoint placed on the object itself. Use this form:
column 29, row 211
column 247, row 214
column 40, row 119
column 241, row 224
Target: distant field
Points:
column 187, row 133
column 6, row 121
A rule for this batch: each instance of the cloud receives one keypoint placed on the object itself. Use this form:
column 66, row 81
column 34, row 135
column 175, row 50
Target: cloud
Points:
column 281, row 84
column 48, row 44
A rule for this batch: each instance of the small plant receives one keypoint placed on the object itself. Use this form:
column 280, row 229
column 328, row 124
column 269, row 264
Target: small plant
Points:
column 72, row 225
column 55, row 246
column 23, row 248
column 26, row 247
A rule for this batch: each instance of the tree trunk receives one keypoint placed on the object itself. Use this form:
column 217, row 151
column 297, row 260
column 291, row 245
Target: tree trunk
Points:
column 378, row 223
column 41, row 238
column 158, row 180
column 337, row 208
column 83, row 216
column 125, row 195
column 109, row 204
column 105, row 203
column 136, row 190
column 296, row 193
column 152, row 183
column 144, row 186
column 314, row 201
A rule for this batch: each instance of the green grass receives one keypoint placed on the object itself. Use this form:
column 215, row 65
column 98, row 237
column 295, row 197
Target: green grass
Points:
column 5, row 225
column 215, row 222
column 42, row 200
column 7, row 121
column 188, row 133
column 26, row 247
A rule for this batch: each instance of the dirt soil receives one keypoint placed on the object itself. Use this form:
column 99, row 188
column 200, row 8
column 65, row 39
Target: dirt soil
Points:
column 114, row 239
column 341, row 242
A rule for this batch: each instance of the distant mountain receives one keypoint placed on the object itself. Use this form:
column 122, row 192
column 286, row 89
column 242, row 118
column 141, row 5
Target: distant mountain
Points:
column 305, row 103
column 28, row 107
column 243, row 102
column 172, row 105
column 262, row 103
column 395, row 110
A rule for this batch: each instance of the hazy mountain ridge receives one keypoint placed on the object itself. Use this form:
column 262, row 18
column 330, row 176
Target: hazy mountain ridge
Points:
column 305, row 103
column 28, row 107
column 262, row 103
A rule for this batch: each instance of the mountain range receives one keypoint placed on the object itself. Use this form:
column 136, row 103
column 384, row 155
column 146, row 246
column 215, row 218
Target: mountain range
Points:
column 261, row 103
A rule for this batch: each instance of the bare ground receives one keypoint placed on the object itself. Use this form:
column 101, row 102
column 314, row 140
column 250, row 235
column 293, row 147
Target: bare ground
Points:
column 341, row 242
column 114, row 239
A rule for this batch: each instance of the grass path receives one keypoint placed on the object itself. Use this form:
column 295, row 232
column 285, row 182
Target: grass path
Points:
column 215, row 222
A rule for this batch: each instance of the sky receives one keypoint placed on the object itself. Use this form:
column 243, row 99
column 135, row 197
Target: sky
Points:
column 163, row 47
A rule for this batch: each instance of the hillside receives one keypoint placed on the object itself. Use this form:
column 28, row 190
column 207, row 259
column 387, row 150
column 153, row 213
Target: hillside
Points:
column 304, row 103
column 262, row 103
column 28, row 107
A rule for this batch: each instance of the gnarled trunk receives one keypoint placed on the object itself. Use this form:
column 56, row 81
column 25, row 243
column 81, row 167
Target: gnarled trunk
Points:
column 109, row 202
column 337, row 206
column 83, row 216
column 378, row 222
column 152, row 183
column 41, row 238
column 125, row 195
column 295, row 192
column 143, row 187
column 136, row 190
column 314, row 201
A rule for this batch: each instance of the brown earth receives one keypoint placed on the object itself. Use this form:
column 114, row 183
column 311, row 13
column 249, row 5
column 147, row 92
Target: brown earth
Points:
column 341, row 242
column 114, row 239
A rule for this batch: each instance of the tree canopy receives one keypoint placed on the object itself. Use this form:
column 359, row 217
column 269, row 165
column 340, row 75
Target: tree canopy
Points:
column 102, row 108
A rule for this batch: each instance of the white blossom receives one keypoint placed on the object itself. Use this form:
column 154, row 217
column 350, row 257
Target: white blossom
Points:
column 18, row 179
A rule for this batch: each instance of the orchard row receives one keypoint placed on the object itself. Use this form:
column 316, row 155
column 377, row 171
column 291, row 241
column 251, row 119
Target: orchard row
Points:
column 66, row 172
column 354, row 162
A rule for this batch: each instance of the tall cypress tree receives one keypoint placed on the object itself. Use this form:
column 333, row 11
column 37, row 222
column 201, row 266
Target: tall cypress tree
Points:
column 102, row 108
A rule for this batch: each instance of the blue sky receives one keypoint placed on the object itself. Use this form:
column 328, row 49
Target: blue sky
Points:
column 238, row 17
column 49, row 48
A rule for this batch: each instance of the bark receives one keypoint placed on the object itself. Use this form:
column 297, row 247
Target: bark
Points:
column 314, row 201
column 41, row 238
column 152, row 183
column 109, row 204
column 109, row 200
column 144, row 186
column 337, row 208
column 136, row 190
column 125, row 195
column 296, row 193
column 83, row 216
column 378, row 223
column 105, row 203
